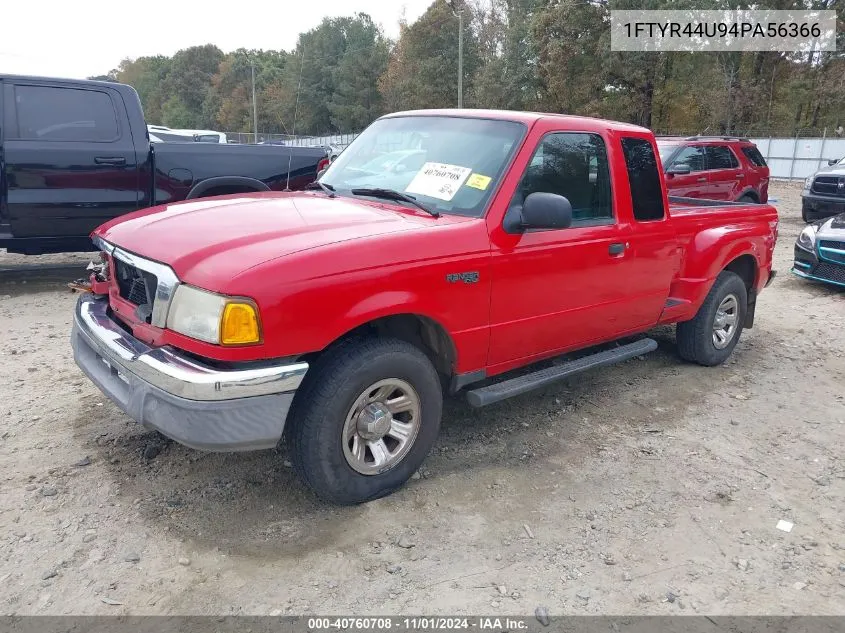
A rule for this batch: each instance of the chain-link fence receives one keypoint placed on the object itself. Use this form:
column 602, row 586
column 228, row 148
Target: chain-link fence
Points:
column 335, row 140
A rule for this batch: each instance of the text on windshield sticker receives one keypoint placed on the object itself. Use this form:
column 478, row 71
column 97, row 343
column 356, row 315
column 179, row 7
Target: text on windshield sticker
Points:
column 439, row 180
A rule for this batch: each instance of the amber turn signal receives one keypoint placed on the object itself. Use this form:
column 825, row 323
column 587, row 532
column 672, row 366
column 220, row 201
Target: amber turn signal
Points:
column 239, row 324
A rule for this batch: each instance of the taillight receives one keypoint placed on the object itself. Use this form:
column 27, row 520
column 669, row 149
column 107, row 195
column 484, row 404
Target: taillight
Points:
column 322, row 164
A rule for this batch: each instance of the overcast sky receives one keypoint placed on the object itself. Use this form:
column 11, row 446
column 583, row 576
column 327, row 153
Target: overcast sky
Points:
column 80, row 38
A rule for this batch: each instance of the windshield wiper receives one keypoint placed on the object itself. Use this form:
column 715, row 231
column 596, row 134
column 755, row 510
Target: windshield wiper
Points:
column 321, row 185
column 392, row 194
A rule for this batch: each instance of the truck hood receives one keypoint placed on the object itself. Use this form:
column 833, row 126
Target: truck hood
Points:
column 832, row 170
column 213, row 239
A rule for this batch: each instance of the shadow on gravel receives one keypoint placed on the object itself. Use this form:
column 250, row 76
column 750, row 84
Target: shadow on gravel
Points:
column 252, row 504
column 20, row 279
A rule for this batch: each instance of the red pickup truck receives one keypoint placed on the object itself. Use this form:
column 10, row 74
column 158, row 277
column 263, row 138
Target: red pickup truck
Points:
column 440, row 251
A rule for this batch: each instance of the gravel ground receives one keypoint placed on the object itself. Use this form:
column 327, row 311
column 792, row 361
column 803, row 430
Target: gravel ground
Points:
column 653, row 487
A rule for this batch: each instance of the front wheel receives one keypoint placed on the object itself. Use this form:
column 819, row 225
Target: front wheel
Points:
column 365, row 419
column 710, row 337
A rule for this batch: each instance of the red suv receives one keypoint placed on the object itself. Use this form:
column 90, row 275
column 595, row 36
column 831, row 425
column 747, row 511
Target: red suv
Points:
column 717, row 168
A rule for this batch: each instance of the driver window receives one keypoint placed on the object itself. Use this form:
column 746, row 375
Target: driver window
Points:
column 573, row 165
column 692, row 156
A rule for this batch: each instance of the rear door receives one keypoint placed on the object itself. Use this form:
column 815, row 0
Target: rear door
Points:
column 70, row 161
column 693, row 184
column 654, row 251
column 724, row 173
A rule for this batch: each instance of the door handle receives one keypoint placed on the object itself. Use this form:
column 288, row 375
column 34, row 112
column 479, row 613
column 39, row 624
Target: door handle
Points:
column 740, row 176
column 702, row 179
column 110, row 160
column 616, row 248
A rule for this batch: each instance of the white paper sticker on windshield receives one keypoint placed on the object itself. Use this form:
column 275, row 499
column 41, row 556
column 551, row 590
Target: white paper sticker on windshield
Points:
column 439, row 180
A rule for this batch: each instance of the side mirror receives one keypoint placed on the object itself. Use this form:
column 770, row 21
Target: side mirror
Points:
column 681, row 169
column 543, row 210
column 832, row 161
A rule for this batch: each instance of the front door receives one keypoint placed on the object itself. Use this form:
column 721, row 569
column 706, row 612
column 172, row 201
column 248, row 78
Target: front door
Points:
column 693, row 184
column 70, row 161
column 556, row 290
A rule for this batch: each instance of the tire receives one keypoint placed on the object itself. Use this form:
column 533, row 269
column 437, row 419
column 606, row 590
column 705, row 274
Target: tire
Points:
column 323, row 413
column 697, row 338
column 747, row 199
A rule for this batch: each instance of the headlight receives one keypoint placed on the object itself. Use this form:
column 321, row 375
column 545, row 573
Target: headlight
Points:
column 807, row 239
column 808, row 182
column 213, row 318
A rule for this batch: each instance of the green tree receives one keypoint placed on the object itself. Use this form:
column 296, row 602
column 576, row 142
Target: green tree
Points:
column 570, row 39
column 508, row 76
column 356, row 100
column 187, row 85
column 423, row 67
column 147, row 76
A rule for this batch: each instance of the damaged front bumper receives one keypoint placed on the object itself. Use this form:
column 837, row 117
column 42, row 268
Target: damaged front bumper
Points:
column 193, row 403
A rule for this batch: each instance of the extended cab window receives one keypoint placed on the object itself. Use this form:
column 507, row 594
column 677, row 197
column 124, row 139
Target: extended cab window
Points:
column 692, row 156
column 64, row 114
column 646, row 192
column 720, row 157
column 573, row 165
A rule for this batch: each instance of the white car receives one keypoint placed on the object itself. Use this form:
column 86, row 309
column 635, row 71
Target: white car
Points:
column 160, row 133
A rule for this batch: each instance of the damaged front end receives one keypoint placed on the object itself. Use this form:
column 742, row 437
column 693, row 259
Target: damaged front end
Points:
column 97, row 281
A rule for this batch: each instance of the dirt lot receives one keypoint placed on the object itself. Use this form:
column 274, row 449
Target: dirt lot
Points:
column 650, row 488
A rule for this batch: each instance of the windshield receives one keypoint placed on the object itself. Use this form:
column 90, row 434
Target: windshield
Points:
column 666, row 149
column 449, row 164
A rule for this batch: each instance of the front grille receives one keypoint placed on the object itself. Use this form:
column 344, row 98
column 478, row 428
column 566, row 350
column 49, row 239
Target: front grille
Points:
column 135, row 285
column 829, row 186
column 830, row 272
column 832, row 244
column 832, row 251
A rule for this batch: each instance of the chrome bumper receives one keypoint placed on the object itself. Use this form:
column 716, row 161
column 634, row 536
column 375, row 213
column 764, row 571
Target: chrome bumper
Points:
column 195, row 404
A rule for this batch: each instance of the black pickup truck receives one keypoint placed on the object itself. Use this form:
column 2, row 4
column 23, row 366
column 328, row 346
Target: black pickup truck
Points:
column 74, row 154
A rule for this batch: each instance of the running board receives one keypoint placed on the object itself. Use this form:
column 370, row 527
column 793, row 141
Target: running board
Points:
column 522, row 384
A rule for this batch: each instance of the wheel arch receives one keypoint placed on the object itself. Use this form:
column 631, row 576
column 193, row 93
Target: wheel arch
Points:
column 421, row 331
column 236, row 183
column 751, row 193
column 746, row 268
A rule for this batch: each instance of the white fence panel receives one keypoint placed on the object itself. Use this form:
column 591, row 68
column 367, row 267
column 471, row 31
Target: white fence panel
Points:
column 798, row 157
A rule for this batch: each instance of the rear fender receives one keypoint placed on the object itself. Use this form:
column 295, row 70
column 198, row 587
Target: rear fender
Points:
column 708, row 255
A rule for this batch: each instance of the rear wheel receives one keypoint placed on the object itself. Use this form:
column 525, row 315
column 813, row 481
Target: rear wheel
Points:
column 365, row 419
column 747, row 199
column 710, row 337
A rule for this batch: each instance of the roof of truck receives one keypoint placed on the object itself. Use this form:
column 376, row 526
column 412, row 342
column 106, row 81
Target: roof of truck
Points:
column 527, row 118
column 61, row 80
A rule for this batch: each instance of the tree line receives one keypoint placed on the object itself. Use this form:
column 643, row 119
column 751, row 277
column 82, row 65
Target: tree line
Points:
column 544, row 55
